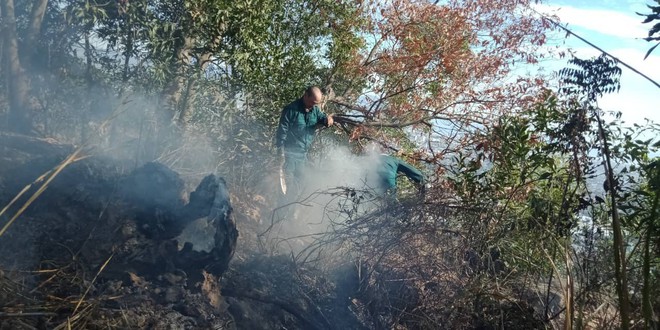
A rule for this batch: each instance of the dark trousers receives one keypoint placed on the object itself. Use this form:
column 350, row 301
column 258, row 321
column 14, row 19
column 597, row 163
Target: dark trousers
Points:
column 294, row 173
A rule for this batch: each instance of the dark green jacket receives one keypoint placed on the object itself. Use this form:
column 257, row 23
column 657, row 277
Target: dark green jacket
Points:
column 390, row 166
column 295, row 132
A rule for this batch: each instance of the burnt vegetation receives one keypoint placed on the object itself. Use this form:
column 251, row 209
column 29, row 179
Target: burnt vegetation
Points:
column 139, row 186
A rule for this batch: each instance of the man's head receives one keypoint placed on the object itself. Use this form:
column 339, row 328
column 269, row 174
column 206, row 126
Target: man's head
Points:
column 312, row 97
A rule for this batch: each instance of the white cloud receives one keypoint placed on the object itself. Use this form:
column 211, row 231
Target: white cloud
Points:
column 631, row 56
column 637, row 98
column 605, row 21
column 614, row 31
column 634, row 106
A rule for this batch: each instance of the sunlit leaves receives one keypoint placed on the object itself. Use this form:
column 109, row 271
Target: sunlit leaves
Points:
column 436, row 64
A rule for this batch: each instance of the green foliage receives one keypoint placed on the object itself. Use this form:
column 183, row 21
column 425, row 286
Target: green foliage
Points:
column 283, row 51
column 592, row 78
column 266, row 52
column 655, row 29
column 526, row 184
column 522, row 175
column 629, row 175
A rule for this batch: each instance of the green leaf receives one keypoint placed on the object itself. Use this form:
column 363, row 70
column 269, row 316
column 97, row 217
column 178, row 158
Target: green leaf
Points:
column 643, row 193
column 545, row 175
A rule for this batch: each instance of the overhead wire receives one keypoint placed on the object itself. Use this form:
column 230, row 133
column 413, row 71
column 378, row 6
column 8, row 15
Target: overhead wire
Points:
column 569, row 31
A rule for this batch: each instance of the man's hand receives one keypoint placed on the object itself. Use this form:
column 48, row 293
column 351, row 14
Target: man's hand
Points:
column 330, row 121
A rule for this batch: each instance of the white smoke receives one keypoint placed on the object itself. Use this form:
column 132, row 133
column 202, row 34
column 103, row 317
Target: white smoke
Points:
column 330, row 194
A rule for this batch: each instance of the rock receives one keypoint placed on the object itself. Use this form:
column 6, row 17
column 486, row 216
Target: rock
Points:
column 156, row 192
column 200, row 234
column 208, row 242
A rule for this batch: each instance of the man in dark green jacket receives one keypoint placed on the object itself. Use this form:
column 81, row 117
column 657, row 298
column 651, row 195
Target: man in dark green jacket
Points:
column 387, row 171
column 295, row 133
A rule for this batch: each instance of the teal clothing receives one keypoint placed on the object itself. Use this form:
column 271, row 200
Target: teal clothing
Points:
column 387, row 172
column 294, row 163
column 295, row 134
column 297, row 127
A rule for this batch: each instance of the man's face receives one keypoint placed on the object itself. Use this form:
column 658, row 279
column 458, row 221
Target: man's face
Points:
column 311, row 100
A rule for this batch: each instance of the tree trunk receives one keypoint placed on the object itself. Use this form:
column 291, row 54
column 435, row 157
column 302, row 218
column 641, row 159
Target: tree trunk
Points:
column 129, row 49
column 2, row 40
column 84, row 116
column 36, row 18
column 569, row 297
column 174, row 93
column 187, row 110
column 17, row 79
column 647, row 305
column 3, row 67
column 620, row 267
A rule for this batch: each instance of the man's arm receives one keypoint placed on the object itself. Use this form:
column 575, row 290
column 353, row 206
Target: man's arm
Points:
column 323, row 118
column 282, row 129
column 410, row 171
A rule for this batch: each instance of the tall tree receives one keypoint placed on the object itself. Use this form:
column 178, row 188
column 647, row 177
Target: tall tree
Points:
column 442, row 67
column 17, row 80
column 590, row 80
column 267, row 51
column 36, row 19
column 16, row 53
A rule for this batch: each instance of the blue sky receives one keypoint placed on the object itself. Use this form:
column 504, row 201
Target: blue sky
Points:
column 613, row 26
